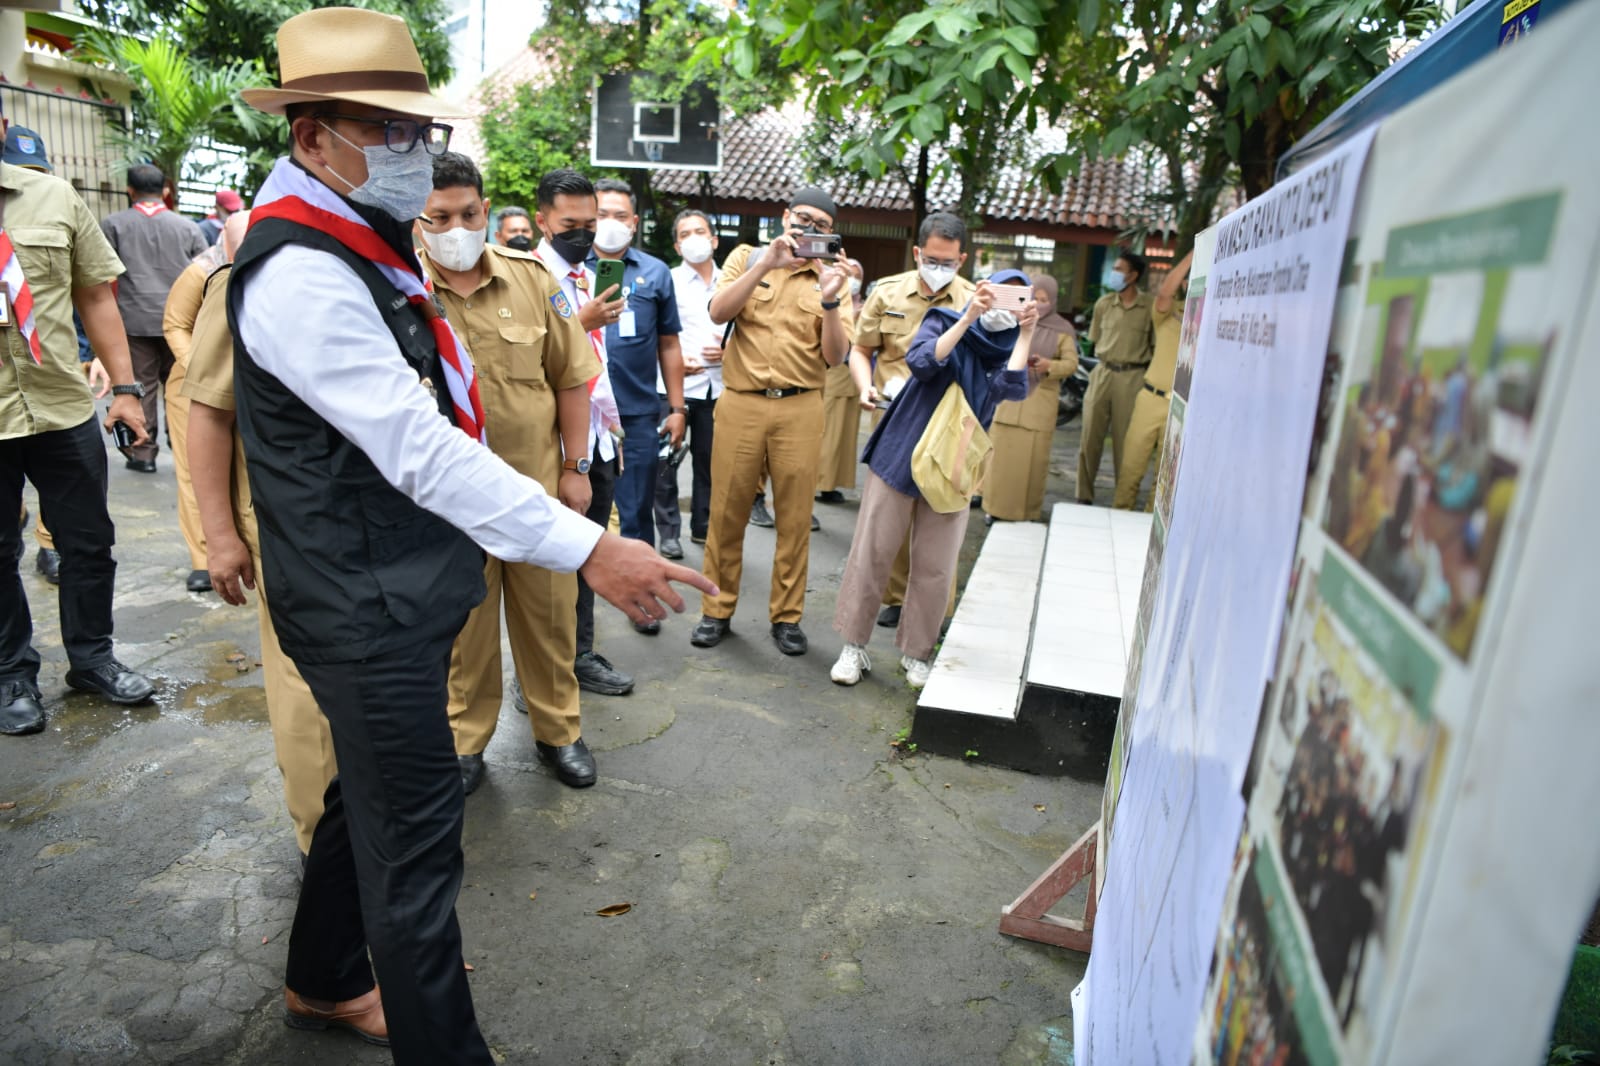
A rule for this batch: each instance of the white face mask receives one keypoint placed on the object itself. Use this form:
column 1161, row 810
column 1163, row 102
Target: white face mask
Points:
column 855, row 286
column 997, row 321
column 611, row 236
column 398, row 183
column 695, row 248
column 455, row 249
column 936, row 277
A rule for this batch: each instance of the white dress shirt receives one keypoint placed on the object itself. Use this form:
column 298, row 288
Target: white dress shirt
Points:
column 602, row 402
column 694, row 316
column 308, row 320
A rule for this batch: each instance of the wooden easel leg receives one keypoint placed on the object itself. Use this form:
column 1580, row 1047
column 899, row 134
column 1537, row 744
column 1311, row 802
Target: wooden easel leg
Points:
column 1026, row 916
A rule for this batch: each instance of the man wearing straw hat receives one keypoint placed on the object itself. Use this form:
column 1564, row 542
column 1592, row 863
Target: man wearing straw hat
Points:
column 375, row 497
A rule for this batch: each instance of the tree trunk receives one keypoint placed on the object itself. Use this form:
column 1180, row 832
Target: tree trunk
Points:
column 919, row 190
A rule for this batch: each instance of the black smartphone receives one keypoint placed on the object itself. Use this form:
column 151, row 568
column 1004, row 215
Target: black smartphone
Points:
column 608, row 272
column 122, row 434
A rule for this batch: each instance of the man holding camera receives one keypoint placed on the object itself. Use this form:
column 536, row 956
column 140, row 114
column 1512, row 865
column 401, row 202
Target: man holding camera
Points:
column 54, row 258
column 789, row 326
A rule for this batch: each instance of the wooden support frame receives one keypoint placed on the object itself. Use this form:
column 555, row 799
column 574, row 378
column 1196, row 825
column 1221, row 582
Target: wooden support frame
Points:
column 1026, row 915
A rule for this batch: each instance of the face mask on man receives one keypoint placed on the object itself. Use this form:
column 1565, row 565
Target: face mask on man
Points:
column 997, row 321
column 521, row 242
column 611, row 236
column 935, row 277
column 398, row 183
column 1115, row 280
column 695, row 248
column 573, row 245
column 455, row 249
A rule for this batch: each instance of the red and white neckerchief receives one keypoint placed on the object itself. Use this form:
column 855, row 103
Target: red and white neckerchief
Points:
column 290, row 193
column 18, row 293
column 149, row 208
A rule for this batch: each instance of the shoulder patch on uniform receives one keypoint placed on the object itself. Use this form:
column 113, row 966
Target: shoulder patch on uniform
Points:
column 558, row 300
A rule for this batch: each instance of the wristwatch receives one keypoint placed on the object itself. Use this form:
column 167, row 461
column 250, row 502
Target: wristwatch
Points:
column 135, row 389
column 826, row 306
column 677, row 410
column 580, row 465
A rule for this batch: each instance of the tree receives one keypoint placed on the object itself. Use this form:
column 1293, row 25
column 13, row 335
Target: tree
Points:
column 1222, row 89
column 178, row 103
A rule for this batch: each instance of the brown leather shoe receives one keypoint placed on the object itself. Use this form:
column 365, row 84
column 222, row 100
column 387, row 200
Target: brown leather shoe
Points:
column 363, row 1015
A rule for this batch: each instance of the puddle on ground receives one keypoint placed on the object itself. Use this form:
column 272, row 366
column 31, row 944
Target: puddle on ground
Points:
column 211, row 703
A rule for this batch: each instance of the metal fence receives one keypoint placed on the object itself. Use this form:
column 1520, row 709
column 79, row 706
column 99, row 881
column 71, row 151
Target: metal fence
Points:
column 73, row 129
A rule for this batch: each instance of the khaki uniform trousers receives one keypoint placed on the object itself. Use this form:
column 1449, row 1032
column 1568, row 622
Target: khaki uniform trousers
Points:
column 1143, row 444
column 1107, row 406
column 542, row 619
column 300, row 735
column 752, row 429
column 178, row 432
column 841, row 426
column 42, row 535
column 1020, row 461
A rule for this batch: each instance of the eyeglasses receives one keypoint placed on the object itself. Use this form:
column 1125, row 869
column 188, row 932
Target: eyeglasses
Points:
column 948, row 264
column 805, row 218
column 401, row 135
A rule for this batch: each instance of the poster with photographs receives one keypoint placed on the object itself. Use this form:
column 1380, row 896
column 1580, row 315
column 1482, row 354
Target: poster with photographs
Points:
column 1194, row 306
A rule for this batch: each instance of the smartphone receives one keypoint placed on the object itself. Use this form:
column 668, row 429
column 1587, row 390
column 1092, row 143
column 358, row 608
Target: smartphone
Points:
column 817, row 245
column 1011, row 297
column 122, row 434
column 608, row 272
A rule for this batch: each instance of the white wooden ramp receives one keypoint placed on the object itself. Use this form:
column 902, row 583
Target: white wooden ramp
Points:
column 1031, row 669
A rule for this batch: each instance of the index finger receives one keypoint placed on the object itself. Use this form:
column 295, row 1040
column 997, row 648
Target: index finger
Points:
column 685, row 576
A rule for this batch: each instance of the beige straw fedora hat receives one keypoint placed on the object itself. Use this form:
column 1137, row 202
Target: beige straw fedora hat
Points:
column 346, row 53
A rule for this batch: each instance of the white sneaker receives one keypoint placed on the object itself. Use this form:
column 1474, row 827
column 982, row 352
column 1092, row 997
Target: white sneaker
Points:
column 916, row 670
column 853, row 662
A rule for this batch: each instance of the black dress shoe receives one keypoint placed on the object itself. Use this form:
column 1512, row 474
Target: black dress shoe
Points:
column 596, row 674
column 671, row 549
column 198, row 581
column 649, row 629
column 789, row 638
column 143, row 466
column 113, row 681
column 572, row 762
column 21, row 711
column 816, row 527
column 759, row 515
column 471, row 772
column 48, row 563
column 830, row 496
column 889, row 617
column 698, row 538
column 710, row 631
column 519, row 702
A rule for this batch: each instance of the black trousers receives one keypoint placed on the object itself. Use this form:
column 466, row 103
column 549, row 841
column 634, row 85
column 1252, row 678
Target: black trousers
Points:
column 385, row 862
column 603, row 484
column 669, row 523
column 68, row 467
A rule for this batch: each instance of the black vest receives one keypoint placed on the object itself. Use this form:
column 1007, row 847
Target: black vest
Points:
column 353, row 568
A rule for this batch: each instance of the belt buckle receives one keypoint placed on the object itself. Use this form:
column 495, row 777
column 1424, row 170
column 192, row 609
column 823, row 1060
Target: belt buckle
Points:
column 774, row 394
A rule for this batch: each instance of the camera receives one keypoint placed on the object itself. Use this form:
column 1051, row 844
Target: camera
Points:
column 817, row 245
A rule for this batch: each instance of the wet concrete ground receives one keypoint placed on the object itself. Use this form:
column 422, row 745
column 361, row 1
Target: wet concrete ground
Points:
column 802, row 892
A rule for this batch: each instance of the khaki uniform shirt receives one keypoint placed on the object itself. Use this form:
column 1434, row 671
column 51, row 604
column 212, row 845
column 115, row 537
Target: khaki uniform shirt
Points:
column 523, row 350
column 61, row 248
column 183, row 304
column 892, row 315
column 1169, row 330
column 777, row 336
column 1122, row 335
column 210, row 381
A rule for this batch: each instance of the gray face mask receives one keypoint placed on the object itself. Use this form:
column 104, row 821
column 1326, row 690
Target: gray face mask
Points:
column 398, row 183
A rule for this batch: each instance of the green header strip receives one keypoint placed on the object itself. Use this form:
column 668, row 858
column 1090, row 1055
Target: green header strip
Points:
column 1512, row 234
column 1414, row 672
column 1295, row 981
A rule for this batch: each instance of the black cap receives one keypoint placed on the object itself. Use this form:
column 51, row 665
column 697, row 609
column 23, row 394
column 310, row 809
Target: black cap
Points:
column 814, row 197
column 25, row 149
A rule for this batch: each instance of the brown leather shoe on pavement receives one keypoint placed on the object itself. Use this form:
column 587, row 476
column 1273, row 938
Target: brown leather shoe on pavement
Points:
column 363, row 1015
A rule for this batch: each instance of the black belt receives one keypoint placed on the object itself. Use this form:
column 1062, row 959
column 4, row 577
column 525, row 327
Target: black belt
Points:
column 1159, row 392
column 1119, row 367
column 774, row 394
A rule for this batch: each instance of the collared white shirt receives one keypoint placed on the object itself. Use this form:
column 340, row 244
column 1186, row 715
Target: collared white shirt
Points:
column 694, row 316
column 308, row 320
column 602, row 402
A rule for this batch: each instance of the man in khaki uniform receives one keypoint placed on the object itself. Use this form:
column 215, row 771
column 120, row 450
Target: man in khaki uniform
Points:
column 534, row 363
column 889, row 320
column 300, row 735
column 1123, row 342
column 789, row 326
column 1149, row 421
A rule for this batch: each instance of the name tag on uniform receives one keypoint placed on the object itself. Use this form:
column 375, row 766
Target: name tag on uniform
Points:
column 626, row 327
column 5, row 307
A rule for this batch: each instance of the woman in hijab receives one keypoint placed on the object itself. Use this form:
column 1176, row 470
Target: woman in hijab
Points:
column 1022, row 433
column 986, row 352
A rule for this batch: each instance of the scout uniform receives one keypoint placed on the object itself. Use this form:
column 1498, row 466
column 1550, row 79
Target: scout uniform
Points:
column 770, row 412
column 1021, row 434
column 1122, row 342
column 177, row 325
column 1149, row 421
column 526, row 344
column 889, row 321
column 300, row 735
